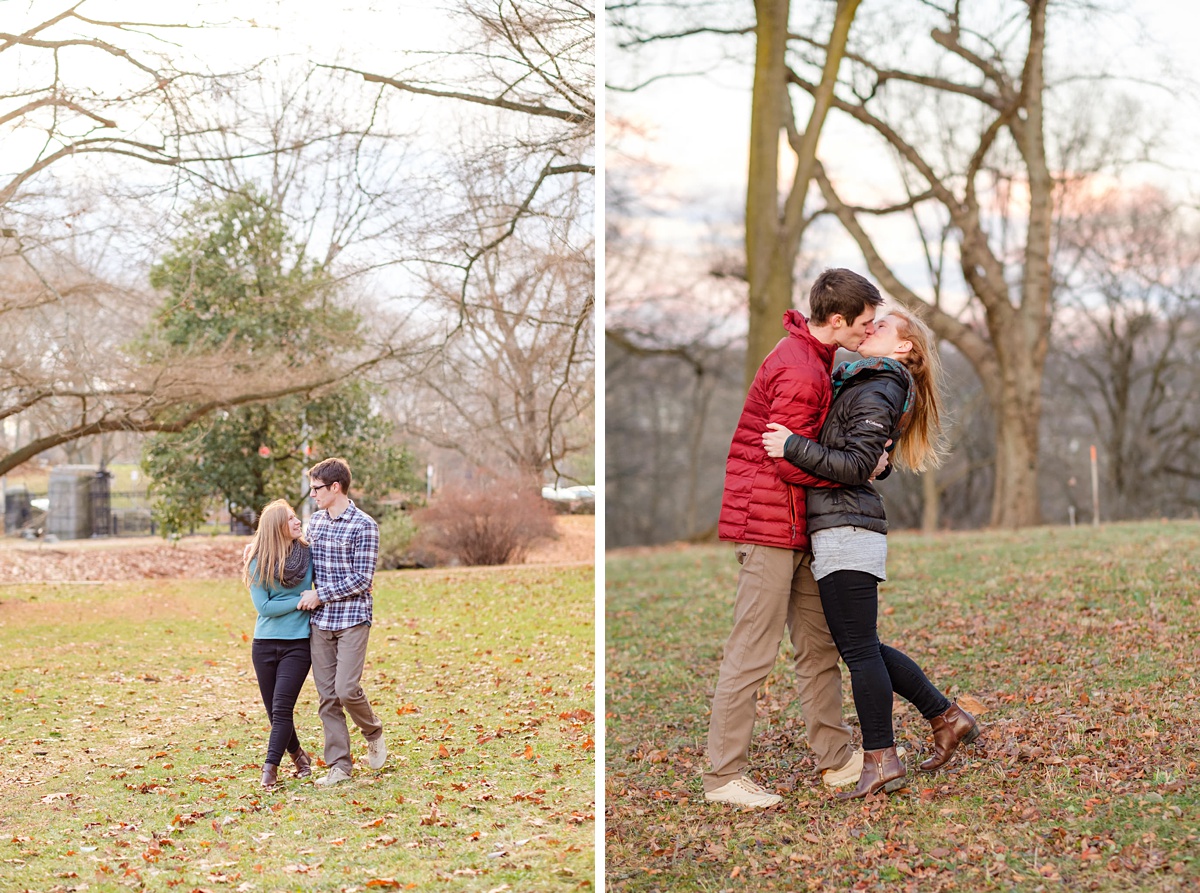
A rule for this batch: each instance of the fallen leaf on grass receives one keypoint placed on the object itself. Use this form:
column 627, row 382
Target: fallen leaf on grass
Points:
column 579, row 715
column 971, row 705
column 301, row 868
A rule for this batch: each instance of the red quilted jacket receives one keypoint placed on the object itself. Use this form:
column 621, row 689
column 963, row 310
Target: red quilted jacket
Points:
column 764, row 497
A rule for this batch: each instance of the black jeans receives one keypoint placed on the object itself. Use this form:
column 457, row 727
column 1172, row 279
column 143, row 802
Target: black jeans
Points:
column 851, row 603
column 281, row 666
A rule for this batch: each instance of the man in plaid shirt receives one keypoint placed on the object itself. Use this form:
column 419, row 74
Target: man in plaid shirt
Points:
column 345, row 546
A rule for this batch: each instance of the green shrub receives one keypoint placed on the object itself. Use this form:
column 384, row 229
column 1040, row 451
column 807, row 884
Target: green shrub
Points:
column 397, row 530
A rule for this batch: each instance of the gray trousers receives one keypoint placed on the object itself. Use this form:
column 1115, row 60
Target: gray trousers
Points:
column 337, row 665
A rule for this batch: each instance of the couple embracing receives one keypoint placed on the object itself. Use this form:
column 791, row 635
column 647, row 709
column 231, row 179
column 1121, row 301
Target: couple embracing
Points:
column 313, row 598
column 811, row 540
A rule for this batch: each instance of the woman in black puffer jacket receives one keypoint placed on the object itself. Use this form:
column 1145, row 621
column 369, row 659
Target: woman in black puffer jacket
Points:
column 889, row 397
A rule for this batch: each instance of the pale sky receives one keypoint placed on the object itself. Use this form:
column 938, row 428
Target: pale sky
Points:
column 381, row 36
column 369, row 30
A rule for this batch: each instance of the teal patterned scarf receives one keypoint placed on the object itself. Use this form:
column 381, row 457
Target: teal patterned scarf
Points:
column 869, row 366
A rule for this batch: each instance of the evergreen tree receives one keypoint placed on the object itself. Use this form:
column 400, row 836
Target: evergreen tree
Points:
column 236, row 278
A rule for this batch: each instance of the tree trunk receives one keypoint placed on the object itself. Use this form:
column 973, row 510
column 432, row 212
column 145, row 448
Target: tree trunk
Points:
column 1014, row 390
column 931, row 501
column 770, row 283
column 773, row 233
column 1015, row 493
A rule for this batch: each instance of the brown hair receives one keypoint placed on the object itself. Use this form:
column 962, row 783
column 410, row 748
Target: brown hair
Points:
column 271, row 544
column 920, row 446
column 841, row 292
column 332, row 471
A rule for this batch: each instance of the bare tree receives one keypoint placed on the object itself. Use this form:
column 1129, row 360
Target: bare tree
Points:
column 1128, row 333
column 70, row 368
column 507, row 244
column 777, row 188
column 343, row 172
column 514, row 389
column 670, row 409
column 530, row 69
column 672, row 389
column 974, row 176
column 984, row 145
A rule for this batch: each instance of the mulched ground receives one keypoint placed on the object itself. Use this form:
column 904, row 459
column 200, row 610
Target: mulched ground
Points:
column 206, row 558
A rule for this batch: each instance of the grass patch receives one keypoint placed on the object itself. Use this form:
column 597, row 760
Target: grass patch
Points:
column 1081, row 646
column 132, row 736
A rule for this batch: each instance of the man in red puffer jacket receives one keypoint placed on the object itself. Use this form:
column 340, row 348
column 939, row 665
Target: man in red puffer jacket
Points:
column 762, row 511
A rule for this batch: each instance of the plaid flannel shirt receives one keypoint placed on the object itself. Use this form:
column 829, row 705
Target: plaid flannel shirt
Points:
column 344, row 552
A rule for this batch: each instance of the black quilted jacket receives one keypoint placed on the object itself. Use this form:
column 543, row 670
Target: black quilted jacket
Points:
column 865, row 414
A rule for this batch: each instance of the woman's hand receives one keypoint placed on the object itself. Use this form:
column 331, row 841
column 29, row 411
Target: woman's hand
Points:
column 774, row 439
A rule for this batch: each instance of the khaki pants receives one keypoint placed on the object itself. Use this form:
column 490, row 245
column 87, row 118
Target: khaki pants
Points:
column 337, row 665
column 775, row 589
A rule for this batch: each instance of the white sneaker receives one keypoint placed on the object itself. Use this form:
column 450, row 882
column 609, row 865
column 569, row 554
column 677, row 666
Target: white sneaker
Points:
column 336, row 776
column 376, row 752
column 848, row 774
column 743, row 792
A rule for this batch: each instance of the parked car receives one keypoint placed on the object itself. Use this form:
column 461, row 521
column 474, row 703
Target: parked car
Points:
column 577, row 500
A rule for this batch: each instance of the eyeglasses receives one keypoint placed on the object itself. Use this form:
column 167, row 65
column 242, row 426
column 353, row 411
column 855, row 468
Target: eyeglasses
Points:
column 317, row 487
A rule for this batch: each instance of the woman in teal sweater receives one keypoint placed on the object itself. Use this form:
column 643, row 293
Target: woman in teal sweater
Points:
column 278, row 569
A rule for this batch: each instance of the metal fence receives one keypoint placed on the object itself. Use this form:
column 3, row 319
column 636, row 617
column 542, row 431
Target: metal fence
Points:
column 101, row 513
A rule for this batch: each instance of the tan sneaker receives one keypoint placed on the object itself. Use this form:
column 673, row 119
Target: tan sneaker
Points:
column 849, row 774
column 336, row 776
column 743, row 792
column 376, row 752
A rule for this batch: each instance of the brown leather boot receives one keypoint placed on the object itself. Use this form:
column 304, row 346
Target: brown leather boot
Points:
column 954, row 727
column 882, row 770
column 270, row 775
column 303, row 763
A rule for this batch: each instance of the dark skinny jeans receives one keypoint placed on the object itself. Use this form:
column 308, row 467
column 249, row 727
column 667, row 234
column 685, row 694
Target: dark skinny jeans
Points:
column 851, row 603
column 281, row 666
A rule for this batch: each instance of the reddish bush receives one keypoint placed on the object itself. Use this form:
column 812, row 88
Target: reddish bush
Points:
column 491, row 522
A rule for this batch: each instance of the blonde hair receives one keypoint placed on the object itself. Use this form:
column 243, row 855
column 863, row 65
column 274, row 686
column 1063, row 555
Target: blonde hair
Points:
column 921, row 446
column 271, row 544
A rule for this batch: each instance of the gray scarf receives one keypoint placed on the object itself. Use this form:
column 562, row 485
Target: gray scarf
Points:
column 298, row 561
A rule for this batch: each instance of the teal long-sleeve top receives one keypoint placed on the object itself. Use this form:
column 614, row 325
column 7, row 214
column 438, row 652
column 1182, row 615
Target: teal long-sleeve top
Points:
column 278, row 617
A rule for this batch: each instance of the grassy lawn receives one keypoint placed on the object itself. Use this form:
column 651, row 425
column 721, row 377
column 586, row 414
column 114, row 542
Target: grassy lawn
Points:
column 132, row 734
column 1082, row 646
